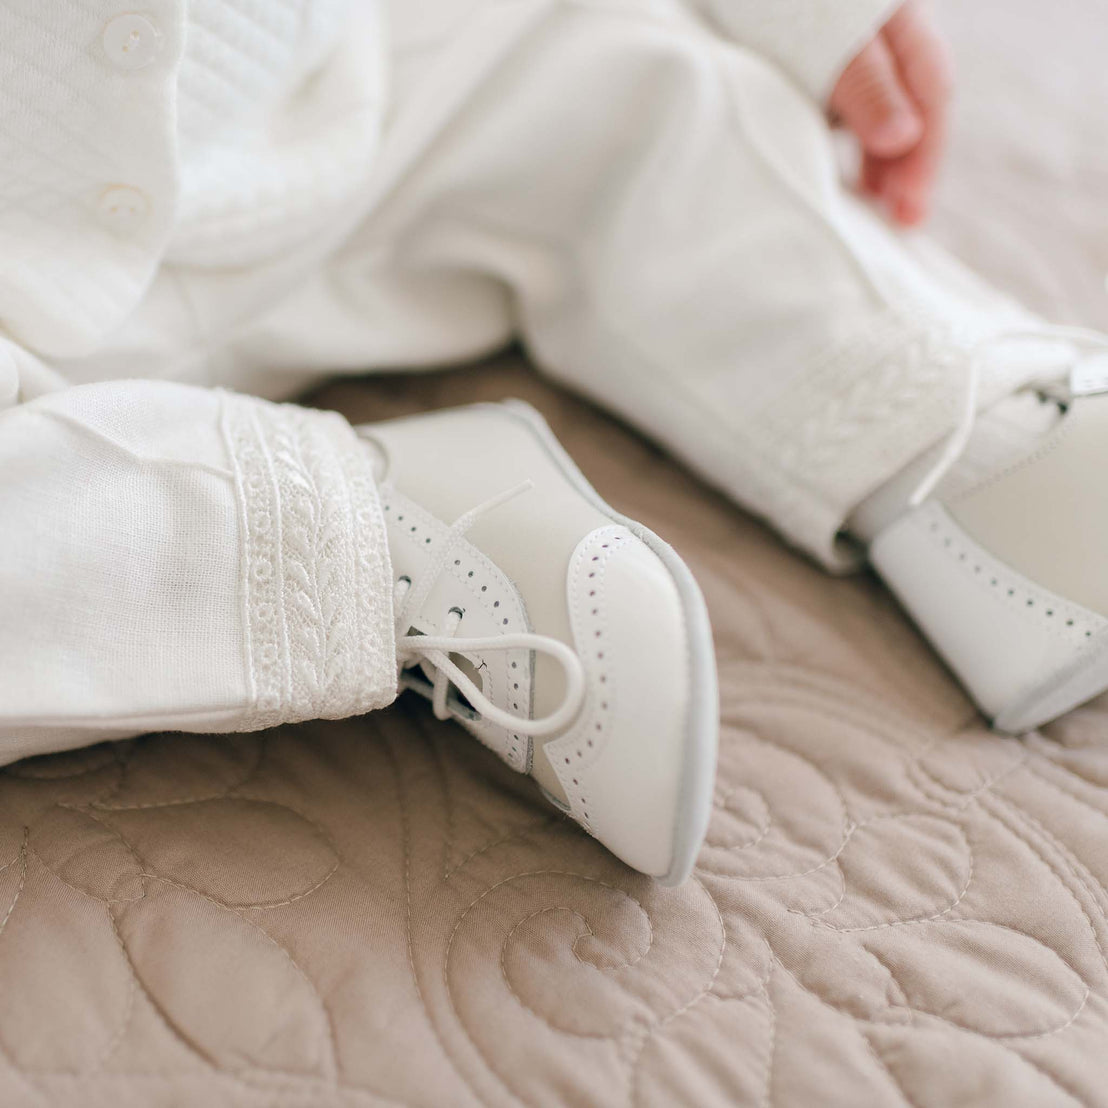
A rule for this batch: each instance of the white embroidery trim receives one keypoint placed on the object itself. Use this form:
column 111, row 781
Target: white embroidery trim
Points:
column 315, row 567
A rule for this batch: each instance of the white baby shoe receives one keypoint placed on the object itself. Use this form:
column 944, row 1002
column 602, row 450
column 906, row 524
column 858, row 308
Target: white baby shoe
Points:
column 570, row 640
column 1007, row 577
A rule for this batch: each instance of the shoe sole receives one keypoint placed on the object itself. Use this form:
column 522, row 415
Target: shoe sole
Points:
column 1047, row 676
column 698, row 767
column 1084, row 678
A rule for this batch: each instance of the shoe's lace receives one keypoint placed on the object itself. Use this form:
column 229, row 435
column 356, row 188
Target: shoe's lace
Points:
column 436, row 649
column 963, row 430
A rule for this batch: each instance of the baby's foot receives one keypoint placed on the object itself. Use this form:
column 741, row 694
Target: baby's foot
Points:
column 570, row 640
column 1005, row 573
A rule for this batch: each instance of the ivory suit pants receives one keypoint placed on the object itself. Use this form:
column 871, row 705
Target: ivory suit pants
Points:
column 655, row 211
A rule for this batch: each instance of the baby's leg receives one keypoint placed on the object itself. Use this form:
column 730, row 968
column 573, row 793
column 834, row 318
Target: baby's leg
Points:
column 659, row 213
column 664, row 211
column 177, row 558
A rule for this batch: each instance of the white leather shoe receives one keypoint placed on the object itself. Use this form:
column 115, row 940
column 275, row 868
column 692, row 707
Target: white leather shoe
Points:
column 1007, row 578
column 570, row 640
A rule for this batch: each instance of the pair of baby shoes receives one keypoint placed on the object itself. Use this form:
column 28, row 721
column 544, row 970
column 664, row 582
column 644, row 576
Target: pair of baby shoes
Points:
column 575, row 643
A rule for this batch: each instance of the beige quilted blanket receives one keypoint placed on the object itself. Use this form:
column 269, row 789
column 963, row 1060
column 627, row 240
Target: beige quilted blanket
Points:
column 894, row 907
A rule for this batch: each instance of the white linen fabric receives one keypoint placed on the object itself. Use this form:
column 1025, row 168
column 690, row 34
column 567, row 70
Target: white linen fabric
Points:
column 186, row 559
column 812, row 42
column 220, row 193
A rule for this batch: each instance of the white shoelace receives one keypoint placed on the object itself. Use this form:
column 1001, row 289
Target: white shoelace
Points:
column 967, row 418
column 436, row 649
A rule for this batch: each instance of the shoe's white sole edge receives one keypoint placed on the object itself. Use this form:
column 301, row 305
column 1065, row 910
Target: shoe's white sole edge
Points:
column 702, row 732
column 1084, row 678
column 1020, row 669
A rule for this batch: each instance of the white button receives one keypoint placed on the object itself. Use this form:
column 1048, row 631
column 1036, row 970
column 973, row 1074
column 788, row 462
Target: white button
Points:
column 123, row 208
column 131, row 41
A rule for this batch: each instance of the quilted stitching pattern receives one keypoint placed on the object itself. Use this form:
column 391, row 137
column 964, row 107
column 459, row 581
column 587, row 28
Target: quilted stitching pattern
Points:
column 279, row 105
column 254, row 125
column 894, row 906
column 56, row 160
column 239, row 58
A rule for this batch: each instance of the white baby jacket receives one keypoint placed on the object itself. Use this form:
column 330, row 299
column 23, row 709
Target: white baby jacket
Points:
column 231, row 135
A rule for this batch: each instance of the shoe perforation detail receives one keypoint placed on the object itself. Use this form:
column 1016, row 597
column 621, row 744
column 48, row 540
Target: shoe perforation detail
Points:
column 585, row 743
column 474, row 573
column 1059, row 617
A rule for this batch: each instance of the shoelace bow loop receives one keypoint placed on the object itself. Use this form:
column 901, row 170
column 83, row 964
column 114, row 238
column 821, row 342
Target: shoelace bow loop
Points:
column 436, row 649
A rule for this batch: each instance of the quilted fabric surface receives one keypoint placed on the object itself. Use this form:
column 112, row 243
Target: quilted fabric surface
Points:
column 895, row 907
